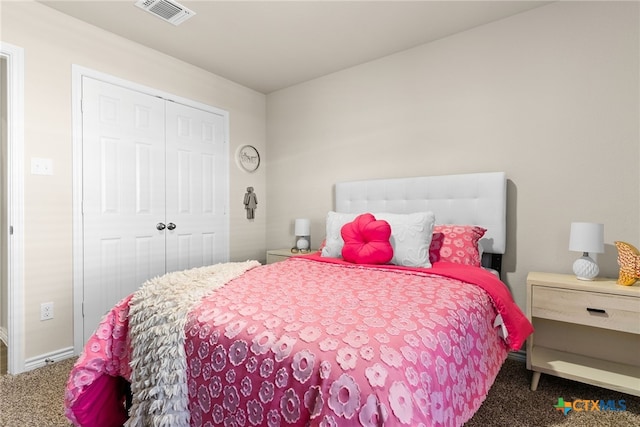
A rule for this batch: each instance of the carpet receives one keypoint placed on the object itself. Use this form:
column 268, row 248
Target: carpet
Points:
column 35, row 399
column 511, row 402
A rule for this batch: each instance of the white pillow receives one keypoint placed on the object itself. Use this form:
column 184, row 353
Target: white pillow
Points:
column 410, row 236
column 333, row 240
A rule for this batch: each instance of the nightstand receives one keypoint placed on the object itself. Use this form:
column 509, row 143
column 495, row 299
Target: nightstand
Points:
column 275, row 255
column 586, row 331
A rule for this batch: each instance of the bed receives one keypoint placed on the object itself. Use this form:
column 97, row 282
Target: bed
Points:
column 398, row 320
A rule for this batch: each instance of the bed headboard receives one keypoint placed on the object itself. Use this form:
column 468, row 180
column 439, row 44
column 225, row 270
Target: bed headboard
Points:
column 477, row 198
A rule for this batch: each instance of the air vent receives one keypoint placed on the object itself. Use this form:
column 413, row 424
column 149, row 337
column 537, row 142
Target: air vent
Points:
column 169, row 11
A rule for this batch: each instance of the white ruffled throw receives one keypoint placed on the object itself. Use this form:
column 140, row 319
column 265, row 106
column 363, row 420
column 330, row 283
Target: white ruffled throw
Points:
column 157, row 317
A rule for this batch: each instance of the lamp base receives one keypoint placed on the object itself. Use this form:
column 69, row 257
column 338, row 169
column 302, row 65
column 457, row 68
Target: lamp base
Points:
column 585, row 268
column 303, row 242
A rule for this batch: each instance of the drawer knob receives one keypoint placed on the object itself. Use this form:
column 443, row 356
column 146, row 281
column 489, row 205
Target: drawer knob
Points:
column 596, row 310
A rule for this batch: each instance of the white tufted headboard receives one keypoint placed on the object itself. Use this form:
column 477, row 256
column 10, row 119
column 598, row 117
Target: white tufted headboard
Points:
column 478, row 199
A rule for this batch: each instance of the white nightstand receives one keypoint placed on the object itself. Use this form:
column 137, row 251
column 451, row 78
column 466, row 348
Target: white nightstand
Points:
column 275, row 255
column 587, row 331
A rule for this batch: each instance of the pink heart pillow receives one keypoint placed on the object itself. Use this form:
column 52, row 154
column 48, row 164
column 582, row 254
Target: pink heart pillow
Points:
column 366, row 240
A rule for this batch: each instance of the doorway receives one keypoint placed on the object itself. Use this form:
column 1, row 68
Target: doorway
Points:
column 11, row 208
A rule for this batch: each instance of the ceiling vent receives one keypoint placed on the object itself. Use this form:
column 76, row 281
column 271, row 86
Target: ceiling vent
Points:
column 166, row 10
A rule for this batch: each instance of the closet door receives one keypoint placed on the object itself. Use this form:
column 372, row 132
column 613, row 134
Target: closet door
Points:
column 123, row 194
column 154, row 189
column 196, row 187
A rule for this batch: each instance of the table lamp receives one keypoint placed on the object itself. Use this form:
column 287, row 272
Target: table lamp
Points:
column 303, row 234
column 586, row 237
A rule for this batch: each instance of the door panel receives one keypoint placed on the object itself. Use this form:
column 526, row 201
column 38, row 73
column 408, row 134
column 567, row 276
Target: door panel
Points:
column 123, row 194
column 195, row 199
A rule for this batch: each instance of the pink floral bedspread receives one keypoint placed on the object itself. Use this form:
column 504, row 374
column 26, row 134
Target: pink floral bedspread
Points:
column 318, row 342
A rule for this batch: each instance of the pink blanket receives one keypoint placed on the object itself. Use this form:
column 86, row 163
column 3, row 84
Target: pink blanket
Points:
column 319, row 342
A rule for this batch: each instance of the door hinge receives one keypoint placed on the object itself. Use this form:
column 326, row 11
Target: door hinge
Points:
column 11, row 230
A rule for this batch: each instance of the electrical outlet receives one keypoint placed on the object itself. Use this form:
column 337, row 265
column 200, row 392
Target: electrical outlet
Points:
column 41, row 166
column 46, row 311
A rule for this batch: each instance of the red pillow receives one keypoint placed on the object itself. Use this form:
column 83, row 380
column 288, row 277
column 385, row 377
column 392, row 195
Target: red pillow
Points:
column 366, row 240
column 459, row 244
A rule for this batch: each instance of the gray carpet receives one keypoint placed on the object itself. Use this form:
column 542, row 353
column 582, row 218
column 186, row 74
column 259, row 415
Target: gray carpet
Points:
column 35, row 399
column 511, row 402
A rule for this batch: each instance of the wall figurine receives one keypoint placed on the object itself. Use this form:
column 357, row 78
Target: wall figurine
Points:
column 250, row 203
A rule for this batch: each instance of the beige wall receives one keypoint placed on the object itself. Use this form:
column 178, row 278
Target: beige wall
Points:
column 550, row 96
column 52, row 42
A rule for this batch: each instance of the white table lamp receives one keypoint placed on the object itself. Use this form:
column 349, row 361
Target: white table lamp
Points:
column 303, row 234
column 586, row 237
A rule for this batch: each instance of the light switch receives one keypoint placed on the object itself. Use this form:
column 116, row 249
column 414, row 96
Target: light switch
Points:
column 41, row 166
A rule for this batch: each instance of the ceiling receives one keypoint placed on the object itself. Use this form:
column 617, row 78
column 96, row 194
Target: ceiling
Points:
column 269, row 45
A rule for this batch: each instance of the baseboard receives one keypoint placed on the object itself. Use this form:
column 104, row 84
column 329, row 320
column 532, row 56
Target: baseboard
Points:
column 519, row 356
column 48, row 358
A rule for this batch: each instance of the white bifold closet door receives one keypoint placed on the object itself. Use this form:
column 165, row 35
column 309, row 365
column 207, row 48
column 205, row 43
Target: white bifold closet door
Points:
column 153, row 197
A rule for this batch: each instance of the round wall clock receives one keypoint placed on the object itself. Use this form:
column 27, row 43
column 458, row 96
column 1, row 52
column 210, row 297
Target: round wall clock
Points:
column 248, row 158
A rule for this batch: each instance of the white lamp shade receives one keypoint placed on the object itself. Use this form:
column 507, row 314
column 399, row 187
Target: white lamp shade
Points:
column 586, row 237
column 303, row 227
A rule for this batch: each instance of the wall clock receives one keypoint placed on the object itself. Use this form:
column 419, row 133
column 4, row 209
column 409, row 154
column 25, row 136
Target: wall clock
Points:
column 248, row 158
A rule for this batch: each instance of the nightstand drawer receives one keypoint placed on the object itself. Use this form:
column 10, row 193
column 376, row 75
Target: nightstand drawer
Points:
column 601, row 310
